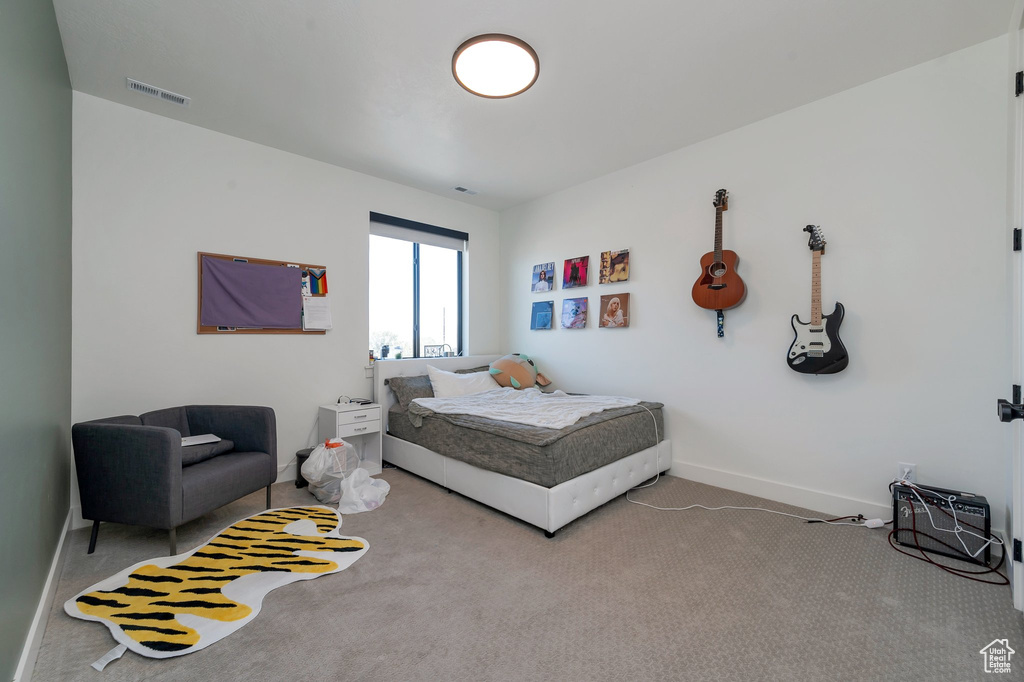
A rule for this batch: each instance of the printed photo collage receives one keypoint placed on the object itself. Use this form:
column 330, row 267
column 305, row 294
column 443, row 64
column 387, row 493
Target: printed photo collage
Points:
column 614, row 308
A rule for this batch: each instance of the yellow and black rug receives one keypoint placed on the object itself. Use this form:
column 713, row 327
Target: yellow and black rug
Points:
column 175, row 605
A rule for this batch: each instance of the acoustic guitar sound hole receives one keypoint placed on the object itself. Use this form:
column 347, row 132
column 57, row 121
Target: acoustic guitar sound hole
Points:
column 717, row 269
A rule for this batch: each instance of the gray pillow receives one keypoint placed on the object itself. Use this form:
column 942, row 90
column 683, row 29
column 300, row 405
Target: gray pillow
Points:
column 407, row 389
column 484, row 368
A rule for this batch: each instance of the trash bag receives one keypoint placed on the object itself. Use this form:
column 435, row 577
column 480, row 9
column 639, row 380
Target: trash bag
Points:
column 361, row 493
column 327, row 467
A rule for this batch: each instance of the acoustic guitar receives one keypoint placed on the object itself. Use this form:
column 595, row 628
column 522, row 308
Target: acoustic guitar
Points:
column 817, row 348
column 719, row 287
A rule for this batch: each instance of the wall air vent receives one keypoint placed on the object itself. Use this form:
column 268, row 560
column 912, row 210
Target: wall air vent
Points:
column 159, row 93
column 464, row 190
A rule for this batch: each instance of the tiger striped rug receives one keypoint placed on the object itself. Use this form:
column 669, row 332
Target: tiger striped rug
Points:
column 175, row 605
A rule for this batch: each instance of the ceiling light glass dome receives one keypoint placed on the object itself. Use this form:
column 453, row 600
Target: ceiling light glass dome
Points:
column 495, row 65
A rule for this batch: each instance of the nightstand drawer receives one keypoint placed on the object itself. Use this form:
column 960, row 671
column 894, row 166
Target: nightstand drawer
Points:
column 358, row 429
column 359, row 416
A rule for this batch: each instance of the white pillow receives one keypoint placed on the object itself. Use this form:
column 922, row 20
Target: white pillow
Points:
column 451, row 385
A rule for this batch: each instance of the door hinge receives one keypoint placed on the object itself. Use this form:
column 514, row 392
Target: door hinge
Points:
column 1016, row 550
column 1020, row 84
column 1016, row 239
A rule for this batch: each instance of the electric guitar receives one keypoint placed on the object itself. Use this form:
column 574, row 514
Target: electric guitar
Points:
column 817, row 348
column 719, row 287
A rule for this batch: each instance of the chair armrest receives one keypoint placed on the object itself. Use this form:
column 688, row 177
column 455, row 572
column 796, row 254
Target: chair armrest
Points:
column 129, row 473
column 253, row 429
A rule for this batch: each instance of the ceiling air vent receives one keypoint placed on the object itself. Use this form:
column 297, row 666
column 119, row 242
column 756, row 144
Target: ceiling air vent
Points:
column 464, row 190
column 159, row 93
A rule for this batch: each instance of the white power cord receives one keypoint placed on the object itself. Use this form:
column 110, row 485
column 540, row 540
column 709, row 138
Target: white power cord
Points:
column 770, row 511
column 657, row 441
column 870, row 523
column 295, row 458
column 281, row 468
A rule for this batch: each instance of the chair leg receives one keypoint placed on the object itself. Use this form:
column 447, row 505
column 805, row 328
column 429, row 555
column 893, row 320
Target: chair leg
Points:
column 268, row 497
column 173, row 537
column 92, row 538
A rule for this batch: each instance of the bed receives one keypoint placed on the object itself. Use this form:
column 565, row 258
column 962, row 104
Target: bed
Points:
column 548, row 507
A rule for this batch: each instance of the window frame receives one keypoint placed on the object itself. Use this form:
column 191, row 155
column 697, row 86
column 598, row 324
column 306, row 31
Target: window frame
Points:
column 424, row 228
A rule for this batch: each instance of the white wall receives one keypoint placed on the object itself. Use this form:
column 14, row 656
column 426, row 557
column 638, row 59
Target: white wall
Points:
column 907, row 177
column 150, row 192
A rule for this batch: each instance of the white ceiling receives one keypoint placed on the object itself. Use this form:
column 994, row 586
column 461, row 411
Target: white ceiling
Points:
column 367, row 85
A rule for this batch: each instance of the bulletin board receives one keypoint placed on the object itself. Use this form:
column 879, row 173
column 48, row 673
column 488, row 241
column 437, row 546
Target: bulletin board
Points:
column 212, row 329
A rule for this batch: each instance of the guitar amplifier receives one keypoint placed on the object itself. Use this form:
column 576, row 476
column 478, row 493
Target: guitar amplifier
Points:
column 972, row 514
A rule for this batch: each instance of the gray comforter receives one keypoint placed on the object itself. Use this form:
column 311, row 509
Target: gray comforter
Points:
column 543, row 456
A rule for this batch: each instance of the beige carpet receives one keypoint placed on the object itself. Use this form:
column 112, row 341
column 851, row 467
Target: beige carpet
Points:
column 451, row 590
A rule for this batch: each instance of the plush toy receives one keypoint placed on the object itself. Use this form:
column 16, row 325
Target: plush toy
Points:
column 518, row 371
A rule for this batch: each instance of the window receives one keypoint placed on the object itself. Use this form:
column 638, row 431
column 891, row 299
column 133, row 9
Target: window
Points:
column 415, row 288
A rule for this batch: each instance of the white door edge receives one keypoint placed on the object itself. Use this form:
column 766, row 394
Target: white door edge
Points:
column 1015, row 216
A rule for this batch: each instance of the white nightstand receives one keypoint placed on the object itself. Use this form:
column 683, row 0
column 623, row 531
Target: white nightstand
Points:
column 358, row 425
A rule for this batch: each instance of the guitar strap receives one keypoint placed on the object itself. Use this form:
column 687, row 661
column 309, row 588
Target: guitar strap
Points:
column 721, row 323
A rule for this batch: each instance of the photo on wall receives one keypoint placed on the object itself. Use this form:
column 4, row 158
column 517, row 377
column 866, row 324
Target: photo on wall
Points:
column 615, row 310
column 543, row 278
column 575, row 272
column 542, row 313
column 574, row 313
column 614, row 267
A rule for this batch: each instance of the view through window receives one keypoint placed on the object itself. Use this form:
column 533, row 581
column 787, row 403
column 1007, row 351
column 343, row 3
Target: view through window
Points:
column 414, row 293
column 439, row 299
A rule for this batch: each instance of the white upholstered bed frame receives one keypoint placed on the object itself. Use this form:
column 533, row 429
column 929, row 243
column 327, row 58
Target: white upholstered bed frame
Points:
column 546, row 508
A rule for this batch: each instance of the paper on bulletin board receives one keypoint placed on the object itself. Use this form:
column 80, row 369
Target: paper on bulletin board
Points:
column 316, row 313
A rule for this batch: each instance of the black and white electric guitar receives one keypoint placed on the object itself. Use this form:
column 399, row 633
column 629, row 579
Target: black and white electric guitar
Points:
column 817, row 348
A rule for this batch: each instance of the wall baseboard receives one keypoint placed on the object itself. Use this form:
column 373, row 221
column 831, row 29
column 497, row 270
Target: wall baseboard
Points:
column 837, row 505
column 27, row 662
column 77, row 520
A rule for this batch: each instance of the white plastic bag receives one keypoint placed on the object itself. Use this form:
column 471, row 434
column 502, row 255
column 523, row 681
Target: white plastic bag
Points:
column 327, row 466
column 361, row 493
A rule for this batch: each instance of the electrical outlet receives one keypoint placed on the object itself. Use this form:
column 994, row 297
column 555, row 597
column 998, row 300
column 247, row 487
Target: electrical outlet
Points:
column 906, row 472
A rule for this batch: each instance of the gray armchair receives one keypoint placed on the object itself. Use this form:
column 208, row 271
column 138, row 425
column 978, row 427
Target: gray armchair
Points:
column 134, row 470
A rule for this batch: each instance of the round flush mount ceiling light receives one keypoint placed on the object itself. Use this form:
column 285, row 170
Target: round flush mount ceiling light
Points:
column 495, row 66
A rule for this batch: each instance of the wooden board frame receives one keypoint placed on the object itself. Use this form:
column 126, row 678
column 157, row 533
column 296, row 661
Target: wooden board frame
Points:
column 211, row 329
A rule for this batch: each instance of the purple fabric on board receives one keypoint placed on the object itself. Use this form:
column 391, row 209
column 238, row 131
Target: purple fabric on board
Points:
column 249, row 295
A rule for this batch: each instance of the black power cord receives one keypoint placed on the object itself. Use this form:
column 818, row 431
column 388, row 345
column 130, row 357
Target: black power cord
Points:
column 961, row 572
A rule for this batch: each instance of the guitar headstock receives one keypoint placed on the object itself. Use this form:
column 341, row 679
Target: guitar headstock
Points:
column 722, row 199
column 816, row 242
